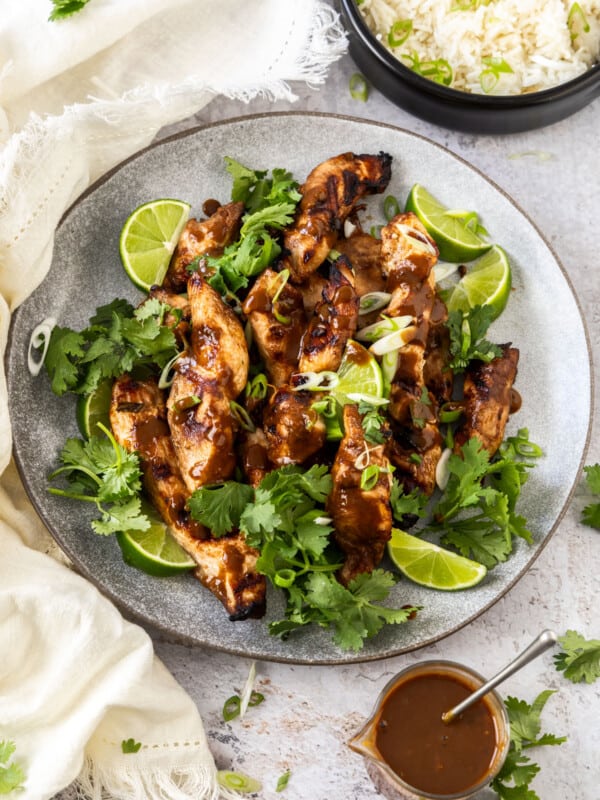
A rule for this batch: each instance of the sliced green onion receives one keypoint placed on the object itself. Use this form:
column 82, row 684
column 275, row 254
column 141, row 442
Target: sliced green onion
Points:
column 257, row 388
column 238, row 781
column 575, row 17
column 488, row 78
column 391, row 207
column 240, row 414
column 543, row 155
column 284, row 578
column 371, row 333
column 40, row 337
column 231, row 708
column 373, row 301
column 439, row 70
column 389, row 367
column 314, row 381
column 393, row 341
column 442, row 470
column 375, row 231
column 283, row 781
column 279, row 284
column 247, row 690
column 416, row 458
column 185, row 403
column 450, row 412
column 418, row 239
column 521, row 445
column 369, row 477
column 327, row 407
column 399, row 32
column 359, row 88
column 443, row 270
column 166, row 379
column 333, row 255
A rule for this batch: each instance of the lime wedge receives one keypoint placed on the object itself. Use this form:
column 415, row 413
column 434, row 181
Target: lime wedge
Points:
column 455, row 240
column 148, row 239
column 154, row 551
column 93, row 408
column 487, row 283
column 359, row 374
column 429, row 565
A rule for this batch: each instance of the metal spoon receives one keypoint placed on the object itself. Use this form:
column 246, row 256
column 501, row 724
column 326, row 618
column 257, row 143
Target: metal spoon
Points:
column 541, row 643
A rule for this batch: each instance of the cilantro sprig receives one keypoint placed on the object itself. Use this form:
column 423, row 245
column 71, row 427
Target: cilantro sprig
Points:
column 467, row 337
column 12, row 774
column 579, row 659
column 591, row 513
column 102, row 472
column 513, row 781
column 285, row 518
column 270, row 206
column 66, row 8
column 477, row 508
column 118, row 339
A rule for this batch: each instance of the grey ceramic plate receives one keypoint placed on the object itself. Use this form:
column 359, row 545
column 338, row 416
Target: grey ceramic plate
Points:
column 543, row 319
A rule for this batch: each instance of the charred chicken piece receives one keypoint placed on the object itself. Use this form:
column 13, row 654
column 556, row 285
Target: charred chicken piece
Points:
column 329, row 195
column 293, row 429
column 226, row 566
column 277, row 327
column 362, row 518
column 333, row 323
column 488, row 399
column 254, row 457
column 207, row 237
column 409, row 255
column 207, row 378
column 363, row 251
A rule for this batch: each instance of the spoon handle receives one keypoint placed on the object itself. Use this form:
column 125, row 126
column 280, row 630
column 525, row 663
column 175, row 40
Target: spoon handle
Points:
column 541, row 643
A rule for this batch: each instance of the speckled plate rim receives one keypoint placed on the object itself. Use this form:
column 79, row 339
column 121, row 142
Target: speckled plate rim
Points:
column 133, row 613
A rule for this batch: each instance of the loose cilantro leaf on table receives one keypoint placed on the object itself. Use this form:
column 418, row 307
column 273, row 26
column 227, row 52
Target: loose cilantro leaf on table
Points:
column 65, row 8
column 130, row 746
column 591, row 513
column 102, row 472
column 579, row 659
column 467, row 343
column 512, row 783
column 12, row 774
column 118, row 339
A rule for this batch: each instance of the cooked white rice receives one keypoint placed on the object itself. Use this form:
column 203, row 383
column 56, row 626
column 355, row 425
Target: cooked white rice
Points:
column 532, row 37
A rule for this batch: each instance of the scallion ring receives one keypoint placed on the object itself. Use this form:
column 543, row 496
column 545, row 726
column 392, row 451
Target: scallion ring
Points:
column 241, row 416
column 231, row 708
column 391, row 207
column 373, row 301
column 399, row 32
column 393, row 341
column 167, row 375
column 238, row 781
column 314, row 381
column 369, row 477
column 381, row 328
column 257, row 388
column 40, row 337
column 284, row 578
column 450, row 412
column 359, row 88
column 327, row 407
column 576, row 14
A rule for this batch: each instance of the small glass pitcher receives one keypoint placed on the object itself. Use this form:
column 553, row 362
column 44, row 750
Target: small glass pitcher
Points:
column 364, row 742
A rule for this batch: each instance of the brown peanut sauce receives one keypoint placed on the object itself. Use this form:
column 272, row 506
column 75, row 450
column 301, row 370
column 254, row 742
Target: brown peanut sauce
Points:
column 425, row 752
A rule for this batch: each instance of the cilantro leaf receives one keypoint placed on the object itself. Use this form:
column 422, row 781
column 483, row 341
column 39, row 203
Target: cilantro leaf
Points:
column 130, row 746
column 65, row 8
column 12, row 775
column 591, row 513
column 406, row 507
column 220, row 507
column 100, row 471
column 467, row 343
column 118, row 339
column 512, row 782
column 579, row 659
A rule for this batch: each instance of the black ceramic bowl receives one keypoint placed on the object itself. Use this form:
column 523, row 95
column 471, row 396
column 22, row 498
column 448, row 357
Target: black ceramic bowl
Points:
column 462, row 110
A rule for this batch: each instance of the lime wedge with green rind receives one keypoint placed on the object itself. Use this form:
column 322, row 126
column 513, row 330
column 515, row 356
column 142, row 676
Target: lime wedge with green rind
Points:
column 429, row 565
column 359, row 374
column 93, row 408
column 487, row 282
column 456, row 240
column 148, row 239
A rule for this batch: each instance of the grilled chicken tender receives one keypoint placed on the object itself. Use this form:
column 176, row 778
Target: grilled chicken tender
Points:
column 362, row 518
column 409, row 255
column 207, row 237
column 276, row 329
column 329, row 195
column 487, row 399
column 293, row 429
column 363, row 251
column 226, row 566
column 207, row 378
column 333, row 323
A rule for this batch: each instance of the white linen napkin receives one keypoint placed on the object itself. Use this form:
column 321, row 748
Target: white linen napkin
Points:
column 77, row 96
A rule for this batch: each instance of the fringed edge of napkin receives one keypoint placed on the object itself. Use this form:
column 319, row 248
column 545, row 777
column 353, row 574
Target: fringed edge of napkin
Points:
column 139, row 781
